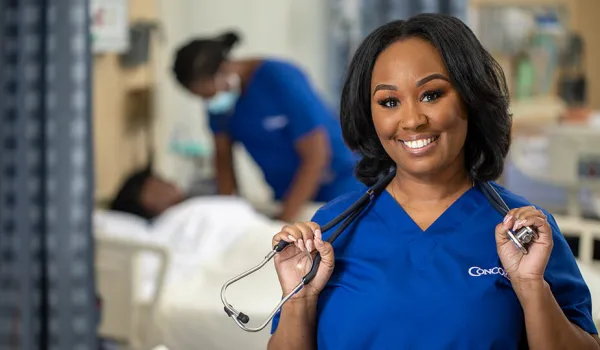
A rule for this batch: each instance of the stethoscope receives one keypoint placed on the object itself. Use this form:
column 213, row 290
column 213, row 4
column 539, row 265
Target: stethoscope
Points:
column 520, row 238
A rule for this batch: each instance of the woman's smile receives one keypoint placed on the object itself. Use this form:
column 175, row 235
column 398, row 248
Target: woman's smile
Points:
column 421, row 145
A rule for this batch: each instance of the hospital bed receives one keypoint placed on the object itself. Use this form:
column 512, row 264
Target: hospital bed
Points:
column 160, row 283
column 125, row 315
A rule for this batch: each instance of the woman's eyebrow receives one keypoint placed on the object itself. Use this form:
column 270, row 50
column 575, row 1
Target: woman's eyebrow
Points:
column 431, row 77
column 385, row 87
column 421, row 82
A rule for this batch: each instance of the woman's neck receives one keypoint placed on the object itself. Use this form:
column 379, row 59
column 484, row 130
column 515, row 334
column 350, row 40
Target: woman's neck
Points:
column 447, row 185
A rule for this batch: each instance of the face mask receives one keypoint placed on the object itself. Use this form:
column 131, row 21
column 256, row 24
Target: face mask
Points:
column 224, row 101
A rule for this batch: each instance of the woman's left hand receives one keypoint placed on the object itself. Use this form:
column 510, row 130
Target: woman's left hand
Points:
column 525, row 267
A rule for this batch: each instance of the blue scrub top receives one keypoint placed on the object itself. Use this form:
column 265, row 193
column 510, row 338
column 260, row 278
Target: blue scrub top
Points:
column 397, row 287
column 277, row 109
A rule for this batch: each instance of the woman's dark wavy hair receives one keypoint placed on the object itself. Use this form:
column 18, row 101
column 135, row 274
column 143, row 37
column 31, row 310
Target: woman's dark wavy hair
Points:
column 474, row 73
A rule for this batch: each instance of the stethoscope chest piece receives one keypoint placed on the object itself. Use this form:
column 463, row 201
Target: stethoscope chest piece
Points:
column 522, row 237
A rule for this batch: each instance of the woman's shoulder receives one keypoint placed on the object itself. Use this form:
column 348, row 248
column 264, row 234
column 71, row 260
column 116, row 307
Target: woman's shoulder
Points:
column 514, row 200
column 336, row 206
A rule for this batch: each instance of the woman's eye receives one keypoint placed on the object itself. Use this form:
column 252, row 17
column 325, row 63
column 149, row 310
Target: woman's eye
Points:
column 431, row 96
column 389, row 102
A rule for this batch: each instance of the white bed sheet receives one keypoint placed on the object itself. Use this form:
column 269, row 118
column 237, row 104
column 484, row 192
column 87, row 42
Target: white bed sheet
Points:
column 196, row 232
column 211, row 240
column 192, row 314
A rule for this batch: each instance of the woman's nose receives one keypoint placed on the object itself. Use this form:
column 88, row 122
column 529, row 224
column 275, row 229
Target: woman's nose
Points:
column 411, row 116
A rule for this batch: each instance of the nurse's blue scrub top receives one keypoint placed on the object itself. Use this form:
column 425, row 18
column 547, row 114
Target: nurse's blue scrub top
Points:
column 278, row 108
column 397, row 287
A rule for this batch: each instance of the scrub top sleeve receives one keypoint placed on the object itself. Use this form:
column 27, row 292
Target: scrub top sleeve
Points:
column 567, row 283
column 300, row 102
column 321, row 217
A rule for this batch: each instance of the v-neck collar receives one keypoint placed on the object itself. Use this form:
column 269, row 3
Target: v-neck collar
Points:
column 394, row 215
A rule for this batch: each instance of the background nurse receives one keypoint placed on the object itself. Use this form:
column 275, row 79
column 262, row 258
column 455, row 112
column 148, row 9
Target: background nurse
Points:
column 270, row 107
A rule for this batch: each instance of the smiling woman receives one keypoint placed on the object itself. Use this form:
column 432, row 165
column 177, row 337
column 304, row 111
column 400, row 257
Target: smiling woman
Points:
column 424, row 97
column 422, row 112
column 452, row 77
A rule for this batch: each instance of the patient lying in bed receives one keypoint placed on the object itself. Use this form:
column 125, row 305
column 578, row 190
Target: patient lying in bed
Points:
column 197, row 230
column 210, row 239
column 146, row 195
column 200, row 226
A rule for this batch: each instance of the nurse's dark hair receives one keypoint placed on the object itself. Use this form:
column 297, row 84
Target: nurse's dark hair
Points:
column 202, row 57
column 477, row 77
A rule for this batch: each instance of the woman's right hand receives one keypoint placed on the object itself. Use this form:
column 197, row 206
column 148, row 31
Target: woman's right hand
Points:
column 292, row 263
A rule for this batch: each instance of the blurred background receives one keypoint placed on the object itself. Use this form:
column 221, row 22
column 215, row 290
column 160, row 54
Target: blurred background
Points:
column 88, row 97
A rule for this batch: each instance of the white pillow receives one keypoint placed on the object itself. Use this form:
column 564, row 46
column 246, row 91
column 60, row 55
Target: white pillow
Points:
column 114, row 223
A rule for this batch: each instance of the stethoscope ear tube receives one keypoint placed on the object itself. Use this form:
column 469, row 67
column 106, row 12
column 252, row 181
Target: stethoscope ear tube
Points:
column 350, row 217
column 348, row 214
column 524, row 235
column 317, row 259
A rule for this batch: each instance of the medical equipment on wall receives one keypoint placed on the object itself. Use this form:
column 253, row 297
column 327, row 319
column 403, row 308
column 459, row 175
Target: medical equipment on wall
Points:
column 567, row 156
column 521, row 238
column 574, row 155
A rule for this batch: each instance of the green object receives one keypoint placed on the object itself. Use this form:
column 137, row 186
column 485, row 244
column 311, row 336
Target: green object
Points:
column 189, row 149
column 525, row 77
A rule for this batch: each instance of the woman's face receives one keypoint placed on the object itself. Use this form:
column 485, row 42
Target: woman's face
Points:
column 418, row 115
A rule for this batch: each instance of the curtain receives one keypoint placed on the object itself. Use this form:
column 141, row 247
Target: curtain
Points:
column 47, row 298
column 351, row 20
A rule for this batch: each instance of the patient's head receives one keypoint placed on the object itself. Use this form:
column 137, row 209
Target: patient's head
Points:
column 147, row 195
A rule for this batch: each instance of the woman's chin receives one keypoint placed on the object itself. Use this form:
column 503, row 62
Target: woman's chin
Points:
column 425, row 169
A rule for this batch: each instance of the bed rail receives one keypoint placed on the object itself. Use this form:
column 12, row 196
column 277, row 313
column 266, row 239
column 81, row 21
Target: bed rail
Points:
column 117, row 267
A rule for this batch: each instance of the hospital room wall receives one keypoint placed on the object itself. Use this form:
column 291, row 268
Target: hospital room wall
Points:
column 584, row 19
column 282, row 28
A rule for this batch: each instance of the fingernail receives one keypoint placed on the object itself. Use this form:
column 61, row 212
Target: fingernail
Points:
column 517, row 224
column 318, row 243
column 309, row 245
column 300, row 244
column 507, row 218
column 318, row 234
column 292, row 238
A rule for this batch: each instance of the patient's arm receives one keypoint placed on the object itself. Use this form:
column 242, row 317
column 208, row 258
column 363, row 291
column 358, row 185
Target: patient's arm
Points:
column 226, row 183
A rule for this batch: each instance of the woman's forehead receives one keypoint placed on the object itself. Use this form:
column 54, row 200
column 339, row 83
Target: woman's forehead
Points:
column 408, row 59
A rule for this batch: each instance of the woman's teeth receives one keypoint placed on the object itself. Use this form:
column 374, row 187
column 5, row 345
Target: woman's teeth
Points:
column 419, row 143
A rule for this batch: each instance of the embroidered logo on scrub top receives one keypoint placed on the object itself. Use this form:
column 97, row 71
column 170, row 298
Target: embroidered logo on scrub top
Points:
column 476, row 271
column 275, row 122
